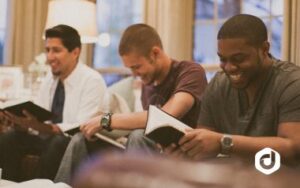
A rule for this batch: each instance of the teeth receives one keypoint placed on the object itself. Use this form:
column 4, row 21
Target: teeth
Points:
column 235, row 77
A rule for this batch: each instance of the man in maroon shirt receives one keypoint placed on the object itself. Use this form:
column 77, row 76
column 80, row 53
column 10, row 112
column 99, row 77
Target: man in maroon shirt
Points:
column 175, row 86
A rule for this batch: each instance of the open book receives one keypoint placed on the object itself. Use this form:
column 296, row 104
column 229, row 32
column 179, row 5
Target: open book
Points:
column 163, row 128
column 17, row 108
column 100, row 136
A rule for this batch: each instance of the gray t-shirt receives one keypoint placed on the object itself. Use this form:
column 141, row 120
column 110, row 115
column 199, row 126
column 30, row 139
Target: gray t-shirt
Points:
column 226, row 110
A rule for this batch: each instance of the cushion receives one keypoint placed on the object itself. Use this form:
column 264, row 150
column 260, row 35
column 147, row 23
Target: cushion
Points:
column 124, row 89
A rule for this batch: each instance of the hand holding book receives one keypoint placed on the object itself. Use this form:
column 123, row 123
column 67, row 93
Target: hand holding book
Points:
column 163, row 128
column 17, row 109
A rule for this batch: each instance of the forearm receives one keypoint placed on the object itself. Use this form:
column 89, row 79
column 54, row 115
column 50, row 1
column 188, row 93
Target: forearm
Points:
column 247, row 147
column 135, row 120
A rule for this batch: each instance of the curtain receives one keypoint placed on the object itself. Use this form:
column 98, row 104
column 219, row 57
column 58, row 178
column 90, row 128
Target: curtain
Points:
column 87, row 50
column 291, row 33
column 173, row 20
column 25, row 27
column 87, row 54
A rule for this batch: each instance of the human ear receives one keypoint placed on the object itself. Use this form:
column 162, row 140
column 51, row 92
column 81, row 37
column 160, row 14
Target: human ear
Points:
column 155, row 51
column 76, row 52
column 265, row 48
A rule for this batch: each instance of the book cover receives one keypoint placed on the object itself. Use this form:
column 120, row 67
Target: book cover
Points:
column 17, row 109
column 163, row 128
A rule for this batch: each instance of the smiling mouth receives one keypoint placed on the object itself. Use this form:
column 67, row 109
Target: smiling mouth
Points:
column 235, row 77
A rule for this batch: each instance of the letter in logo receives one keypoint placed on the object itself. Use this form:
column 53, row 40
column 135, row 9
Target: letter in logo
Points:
column 267, row 161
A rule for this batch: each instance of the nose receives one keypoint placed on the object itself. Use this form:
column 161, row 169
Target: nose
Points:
column 50, row 56
column 228, row 67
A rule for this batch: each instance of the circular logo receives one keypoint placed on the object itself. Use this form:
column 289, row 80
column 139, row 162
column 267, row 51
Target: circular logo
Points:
column 267, row 161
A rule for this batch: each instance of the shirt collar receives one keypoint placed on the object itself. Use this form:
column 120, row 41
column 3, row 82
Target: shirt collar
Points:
column 73, row 78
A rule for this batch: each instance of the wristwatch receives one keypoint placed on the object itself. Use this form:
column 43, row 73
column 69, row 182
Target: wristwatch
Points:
column 226, row 144
column 106, row 121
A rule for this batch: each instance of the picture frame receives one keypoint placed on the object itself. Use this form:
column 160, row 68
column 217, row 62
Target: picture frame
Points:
column 11, row 82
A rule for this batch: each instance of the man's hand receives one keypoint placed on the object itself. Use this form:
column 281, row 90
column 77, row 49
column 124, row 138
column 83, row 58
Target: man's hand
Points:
column 91, row 127
column 23, row 123
column 174, row 151
column 198, row 144
column 4, row 120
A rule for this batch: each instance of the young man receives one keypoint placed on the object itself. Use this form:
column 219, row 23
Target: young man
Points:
column 252, row 104
column 73, row 92
column 175, row 86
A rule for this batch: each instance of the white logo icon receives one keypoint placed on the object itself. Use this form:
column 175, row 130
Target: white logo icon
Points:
column 267, row 161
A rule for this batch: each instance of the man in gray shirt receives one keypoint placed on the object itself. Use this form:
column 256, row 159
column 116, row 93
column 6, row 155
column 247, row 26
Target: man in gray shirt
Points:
column 252, row 104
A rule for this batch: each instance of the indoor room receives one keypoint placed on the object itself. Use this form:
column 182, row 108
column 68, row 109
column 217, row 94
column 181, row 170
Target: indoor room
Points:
column 149, row 93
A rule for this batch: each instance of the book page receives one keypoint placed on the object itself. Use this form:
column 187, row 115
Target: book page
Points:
column 109, row 140
column 158, row 118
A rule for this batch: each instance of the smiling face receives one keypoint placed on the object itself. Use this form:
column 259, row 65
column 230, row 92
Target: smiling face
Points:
column 242, row 63
column 141, row 66
column 61, row 61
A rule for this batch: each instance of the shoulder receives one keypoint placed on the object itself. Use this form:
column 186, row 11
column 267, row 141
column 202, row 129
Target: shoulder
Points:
column 285, row 70
column 219, row 86
column 286, row 74
column 188, row 66
column 220, row 81
column 88, row 72
column 187, row 70
column 86, row 77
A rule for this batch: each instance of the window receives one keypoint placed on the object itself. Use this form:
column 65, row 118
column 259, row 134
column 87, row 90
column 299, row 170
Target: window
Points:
column 3, row 4
column 211, row 14
column 113, row 17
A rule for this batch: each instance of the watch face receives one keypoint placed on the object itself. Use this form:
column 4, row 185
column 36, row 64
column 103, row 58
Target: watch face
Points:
column 104, row 121
column 227, row 141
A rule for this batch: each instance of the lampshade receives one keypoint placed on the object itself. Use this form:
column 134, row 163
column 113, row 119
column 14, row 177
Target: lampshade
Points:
column 79, row 14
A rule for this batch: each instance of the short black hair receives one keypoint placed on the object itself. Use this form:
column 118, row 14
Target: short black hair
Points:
column 68, row 35
column 244, row 26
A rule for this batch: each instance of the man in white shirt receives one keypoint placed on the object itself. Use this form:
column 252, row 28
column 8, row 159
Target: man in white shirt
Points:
column 73, row 91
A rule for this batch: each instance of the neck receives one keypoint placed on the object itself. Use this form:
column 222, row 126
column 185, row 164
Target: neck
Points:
column 68, row 72
column 164, row 68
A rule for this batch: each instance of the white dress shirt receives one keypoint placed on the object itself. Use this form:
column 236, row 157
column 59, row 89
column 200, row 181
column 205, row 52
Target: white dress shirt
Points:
column 84, row 93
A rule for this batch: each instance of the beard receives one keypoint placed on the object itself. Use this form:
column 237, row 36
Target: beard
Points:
column 254, row 77
column 56, row 73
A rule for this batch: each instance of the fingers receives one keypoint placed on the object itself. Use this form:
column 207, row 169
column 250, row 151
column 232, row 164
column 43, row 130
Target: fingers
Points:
column 28, row 114
column 11, row 118
column 195, row 151
column 170, row 149
column 187, row 137
column 174, row 151
column 82, row 127
column 92, row 139
column 5, row 120
column 88, row 130
column 190, row 144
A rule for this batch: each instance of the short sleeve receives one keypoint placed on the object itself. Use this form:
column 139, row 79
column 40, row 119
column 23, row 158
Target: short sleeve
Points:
column 289, row 103
column 192, row 80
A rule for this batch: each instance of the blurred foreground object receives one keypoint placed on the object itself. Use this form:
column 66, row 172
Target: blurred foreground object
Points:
column 115, row 170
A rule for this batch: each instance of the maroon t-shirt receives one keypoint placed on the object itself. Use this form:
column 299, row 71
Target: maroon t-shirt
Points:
column 184, row 76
